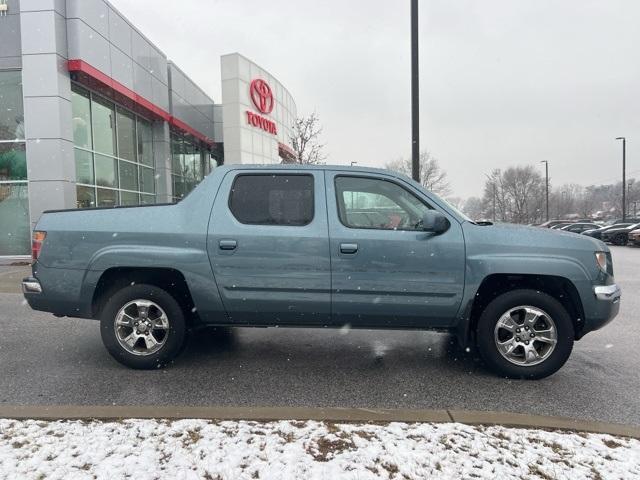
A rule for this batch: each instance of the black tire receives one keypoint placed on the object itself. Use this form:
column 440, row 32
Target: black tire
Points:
column 175, row 336
column 486, row 344
column 620, row 239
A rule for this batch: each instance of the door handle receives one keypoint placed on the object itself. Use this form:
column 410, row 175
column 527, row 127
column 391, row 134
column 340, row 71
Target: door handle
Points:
column 349, row 248
column 228, row 244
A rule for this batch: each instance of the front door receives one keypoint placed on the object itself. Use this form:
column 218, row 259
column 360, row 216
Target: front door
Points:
column 386, row 271
column 269, row 248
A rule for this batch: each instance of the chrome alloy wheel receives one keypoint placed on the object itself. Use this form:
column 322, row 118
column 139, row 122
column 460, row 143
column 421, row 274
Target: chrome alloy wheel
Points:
column 525, row 335
column 141, row 327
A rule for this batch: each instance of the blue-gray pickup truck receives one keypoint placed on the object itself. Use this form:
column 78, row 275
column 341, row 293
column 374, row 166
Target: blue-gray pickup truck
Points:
column 320, row 246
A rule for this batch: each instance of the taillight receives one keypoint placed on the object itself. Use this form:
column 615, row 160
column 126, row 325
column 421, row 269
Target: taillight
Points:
column 36, row 243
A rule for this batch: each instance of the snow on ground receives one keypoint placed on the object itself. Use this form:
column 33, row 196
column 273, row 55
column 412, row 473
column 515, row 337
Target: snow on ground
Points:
column 193, row 449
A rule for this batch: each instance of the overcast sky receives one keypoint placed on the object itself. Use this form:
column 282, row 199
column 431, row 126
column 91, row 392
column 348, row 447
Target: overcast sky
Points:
column 503, row 82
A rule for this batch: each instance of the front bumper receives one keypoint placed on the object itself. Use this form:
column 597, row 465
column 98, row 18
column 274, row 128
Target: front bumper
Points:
column 604, row 308
column 608, row 293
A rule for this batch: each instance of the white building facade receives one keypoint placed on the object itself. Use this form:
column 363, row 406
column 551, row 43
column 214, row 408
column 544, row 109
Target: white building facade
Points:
column 93, row 114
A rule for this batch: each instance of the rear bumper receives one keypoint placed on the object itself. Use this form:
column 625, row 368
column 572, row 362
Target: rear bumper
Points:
column 58, row 291
column 31, row 285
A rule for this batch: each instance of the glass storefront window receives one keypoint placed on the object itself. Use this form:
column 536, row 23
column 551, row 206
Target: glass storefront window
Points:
column 15, row 235
column 84, row 167
column 107, row 198
column 145, row 143
column 102, row 121
column 106, row 171
column 147, row 199
column 188, row 165
column 147, row 180
column 113, row 151
column 126, row 135
column 128, row 198
column 11, row 109
column 178, row 187
column 13, row 161
column 81, row 111
column 15, row 230
column 128, row 176
column 86, row 197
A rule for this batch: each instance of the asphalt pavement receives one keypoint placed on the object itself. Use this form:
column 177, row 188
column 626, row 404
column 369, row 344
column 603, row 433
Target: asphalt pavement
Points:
column 50, row 361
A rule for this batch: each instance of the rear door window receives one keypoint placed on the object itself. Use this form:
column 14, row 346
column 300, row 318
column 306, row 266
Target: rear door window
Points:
column 263, row 199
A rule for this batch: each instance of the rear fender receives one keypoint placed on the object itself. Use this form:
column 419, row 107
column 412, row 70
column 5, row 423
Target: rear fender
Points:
column 192, row 263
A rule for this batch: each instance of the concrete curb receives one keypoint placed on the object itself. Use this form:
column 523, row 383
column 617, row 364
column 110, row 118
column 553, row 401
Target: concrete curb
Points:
column 84, row 412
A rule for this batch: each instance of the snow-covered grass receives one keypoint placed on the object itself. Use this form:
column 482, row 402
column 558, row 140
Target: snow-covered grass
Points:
column 186, row 449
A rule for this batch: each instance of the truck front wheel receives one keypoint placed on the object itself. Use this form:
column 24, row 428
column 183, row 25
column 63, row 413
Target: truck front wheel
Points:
column 525, row 334
column 142, row 326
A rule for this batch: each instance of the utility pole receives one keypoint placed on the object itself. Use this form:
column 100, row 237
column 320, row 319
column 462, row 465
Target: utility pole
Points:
column 415, row 95
column 624, row 177
column 546, row 168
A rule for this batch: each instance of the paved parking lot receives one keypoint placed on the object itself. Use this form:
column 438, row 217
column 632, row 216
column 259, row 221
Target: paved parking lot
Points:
column 52, row 361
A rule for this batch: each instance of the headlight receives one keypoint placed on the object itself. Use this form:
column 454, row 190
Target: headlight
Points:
column 601, row 260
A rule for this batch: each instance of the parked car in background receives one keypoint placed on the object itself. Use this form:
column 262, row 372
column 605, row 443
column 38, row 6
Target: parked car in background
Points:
column 579, row 227
column 561, row 225
column 617, row 221
column 597, row 232
column 551, row 223
column 634, row 237
column 320, row 246
column 619, row 236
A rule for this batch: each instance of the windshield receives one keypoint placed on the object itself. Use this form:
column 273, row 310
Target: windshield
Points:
column 453, row 208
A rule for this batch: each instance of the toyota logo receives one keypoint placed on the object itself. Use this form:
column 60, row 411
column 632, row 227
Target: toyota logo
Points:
column 261, row 95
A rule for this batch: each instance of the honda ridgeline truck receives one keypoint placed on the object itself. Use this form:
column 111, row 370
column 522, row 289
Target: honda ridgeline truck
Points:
column 320, row 246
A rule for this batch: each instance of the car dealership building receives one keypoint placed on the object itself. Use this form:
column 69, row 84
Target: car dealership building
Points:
column 92, row 114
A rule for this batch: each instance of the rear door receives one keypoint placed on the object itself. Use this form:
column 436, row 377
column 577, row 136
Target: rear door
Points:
column 386, row 271
column 269, row 247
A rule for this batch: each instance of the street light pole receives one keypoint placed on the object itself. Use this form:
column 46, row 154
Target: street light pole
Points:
column 415, row 89
column 546, row 168
column 624, row 177
column 493, row 183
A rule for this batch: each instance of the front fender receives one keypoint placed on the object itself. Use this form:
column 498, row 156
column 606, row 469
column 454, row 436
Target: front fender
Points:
column 480, row 266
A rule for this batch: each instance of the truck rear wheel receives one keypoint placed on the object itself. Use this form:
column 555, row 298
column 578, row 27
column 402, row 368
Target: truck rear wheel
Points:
column 525, row 334
column 142, row 326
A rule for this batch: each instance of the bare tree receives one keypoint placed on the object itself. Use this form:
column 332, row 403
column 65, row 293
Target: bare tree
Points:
column 432, row 176
column 517, row 193
column 473, row 207
column 305, row 140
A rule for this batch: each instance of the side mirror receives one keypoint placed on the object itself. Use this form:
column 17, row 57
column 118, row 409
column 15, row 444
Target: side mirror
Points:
column 435, row 222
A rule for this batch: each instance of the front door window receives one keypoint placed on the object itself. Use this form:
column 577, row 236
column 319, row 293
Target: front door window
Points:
column 377, row 204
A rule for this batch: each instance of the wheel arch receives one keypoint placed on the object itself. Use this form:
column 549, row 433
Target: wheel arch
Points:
column 558, row 287
column 169, row 279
